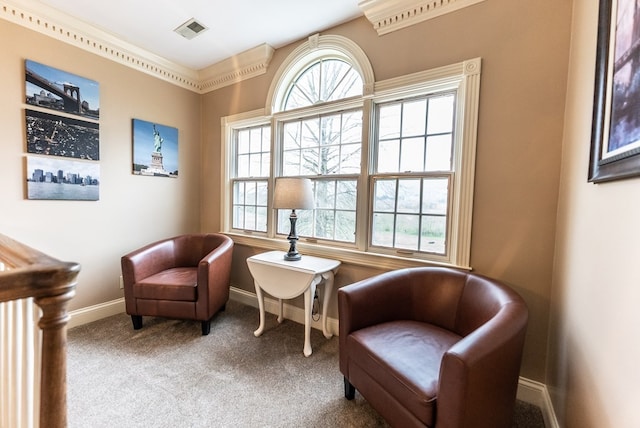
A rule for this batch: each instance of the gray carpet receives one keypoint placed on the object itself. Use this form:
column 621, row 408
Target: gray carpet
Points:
column 169, row 375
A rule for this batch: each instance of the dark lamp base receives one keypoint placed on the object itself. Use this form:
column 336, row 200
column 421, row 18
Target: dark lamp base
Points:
column 292, row 257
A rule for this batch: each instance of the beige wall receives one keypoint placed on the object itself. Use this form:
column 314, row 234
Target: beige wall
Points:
column 524, row 49
column 594, row 347
column 132, row 210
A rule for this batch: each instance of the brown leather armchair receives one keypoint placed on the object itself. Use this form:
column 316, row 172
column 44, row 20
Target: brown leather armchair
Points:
column 433, row 347
column 184, row 277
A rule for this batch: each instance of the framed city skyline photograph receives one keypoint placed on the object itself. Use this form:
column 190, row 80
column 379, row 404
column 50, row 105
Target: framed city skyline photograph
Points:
column 55, row 178
column 55, row 89
column 615, row 138
column 155, row 149
column 49, row 134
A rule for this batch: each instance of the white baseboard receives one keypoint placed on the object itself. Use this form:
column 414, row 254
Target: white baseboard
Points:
column 529, row 391
column 95, row 312
column 537, row 393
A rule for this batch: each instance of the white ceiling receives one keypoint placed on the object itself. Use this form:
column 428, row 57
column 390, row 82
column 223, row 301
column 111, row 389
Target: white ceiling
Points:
column 234, row 26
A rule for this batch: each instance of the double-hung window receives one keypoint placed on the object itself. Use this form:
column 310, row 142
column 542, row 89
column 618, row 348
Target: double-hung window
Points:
column 252, row 162
column 391, row 162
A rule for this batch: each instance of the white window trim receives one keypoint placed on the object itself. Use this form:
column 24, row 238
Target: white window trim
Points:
column 464, row 77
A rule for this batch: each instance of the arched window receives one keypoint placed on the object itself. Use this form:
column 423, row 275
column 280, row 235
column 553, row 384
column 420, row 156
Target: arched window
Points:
column 325, row 80
column 391, row 162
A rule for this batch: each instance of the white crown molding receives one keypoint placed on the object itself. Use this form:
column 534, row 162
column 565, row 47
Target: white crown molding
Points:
column 38, row 17
column 388, row 16
column 245, row 65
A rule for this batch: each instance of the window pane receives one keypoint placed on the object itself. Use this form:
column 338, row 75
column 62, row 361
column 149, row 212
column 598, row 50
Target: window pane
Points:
column 350, row 159
column 255, row 164
column 238, row 217
column 435, row 196
column 329, row 160
column 265, row 167
column 266, row 139
column 412, row 158
column 291, row 137
column 310, row 133
column 261, row 194
column 414, row 116
column 325, row 194
column 384, row 195
column 388, row 156
column 345, row 226
column 350, row 86
column 250, row 218
column 324, row 224
column 439, row 153
column 325, row 80
column 409, row 196
column 261, row 219
column 389, row 122
column 433, row 234
column 243, row 141
column 243, row 166
column 250, row 194
column 238, row 193
column 310, row 164
column 407, row 231
column 382, row 230
column 255, row 140
column 346, row 195
column 440, row 114
column 291, row 160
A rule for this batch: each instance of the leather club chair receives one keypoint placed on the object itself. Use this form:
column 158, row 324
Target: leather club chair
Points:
column 433, row 347
column 184, row 277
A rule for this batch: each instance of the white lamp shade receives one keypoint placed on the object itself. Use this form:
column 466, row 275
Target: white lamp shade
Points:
column 293, row 193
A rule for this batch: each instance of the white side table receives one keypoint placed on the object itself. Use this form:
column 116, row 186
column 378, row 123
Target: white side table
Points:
column 288, row 279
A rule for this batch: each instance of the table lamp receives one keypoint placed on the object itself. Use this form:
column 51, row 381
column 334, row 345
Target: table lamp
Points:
column 293, row 193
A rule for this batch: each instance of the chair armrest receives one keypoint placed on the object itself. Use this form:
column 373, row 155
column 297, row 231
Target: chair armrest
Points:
column 214, row 276
column 483, row 369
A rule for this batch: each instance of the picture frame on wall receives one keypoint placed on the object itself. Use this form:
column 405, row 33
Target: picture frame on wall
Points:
column 50, row 88
column 54, row 135
column 155, row 149
column 55, row 178
column 615, row 137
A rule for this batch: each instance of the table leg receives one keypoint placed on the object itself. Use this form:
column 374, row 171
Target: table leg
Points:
column 308, row 303
column 328, row 287
column 280, row 313
column 260, row 329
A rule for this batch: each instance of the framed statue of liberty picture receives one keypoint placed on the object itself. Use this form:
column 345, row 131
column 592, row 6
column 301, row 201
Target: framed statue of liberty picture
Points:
column 155, row 149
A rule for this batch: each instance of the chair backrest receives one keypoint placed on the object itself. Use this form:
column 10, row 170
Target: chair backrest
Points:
column 455, row 300
column 190, row 249
column 481, row 300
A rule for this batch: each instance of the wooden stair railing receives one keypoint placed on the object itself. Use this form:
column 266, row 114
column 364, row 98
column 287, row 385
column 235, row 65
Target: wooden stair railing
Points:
column 28, row 273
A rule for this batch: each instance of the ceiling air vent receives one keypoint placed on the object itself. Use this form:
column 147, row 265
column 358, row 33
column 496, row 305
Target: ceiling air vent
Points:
column 190, row 29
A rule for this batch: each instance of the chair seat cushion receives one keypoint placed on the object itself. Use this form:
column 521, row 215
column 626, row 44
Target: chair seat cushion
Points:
column 171, row 284
column 405, row 357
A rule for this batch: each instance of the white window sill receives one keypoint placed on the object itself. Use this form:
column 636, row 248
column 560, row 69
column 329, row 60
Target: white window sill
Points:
column 345, row 255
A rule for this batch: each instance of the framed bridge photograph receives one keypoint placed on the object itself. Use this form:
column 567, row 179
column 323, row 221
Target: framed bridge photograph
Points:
column 59, row 90
column 615, row 138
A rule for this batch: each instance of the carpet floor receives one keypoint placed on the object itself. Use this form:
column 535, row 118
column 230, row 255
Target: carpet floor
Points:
column 168, row 375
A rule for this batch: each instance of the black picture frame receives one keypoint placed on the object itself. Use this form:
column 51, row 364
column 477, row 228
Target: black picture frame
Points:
column 621, row 163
